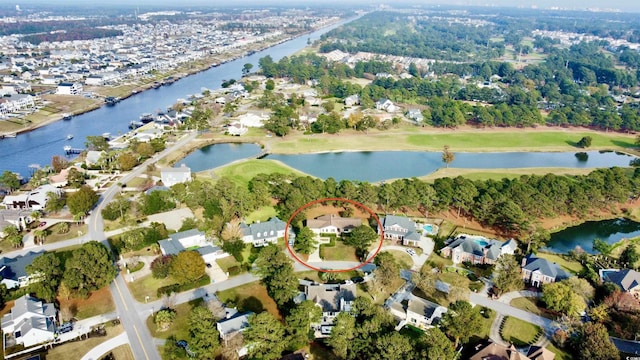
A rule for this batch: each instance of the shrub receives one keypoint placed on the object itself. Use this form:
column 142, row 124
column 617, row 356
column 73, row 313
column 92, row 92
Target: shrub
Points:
column 160, row 266
column 234, row 248
column 234, row 270
column 176, row 288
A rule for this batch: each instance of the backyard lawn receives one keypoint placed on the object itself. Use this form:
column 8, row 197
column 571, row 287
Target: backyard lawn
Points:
column 518, row 332
column 122, row 352
column 263, row 214
column 250, row 297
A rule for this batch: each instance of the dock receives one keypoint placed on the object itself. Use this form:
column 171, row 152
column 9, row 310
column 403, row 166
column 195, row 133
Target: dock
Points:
column 68, row 150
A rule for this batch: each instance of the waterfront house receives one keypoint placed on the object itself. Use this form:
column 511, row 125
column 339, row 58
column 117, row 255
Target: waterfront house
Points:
column 476, row 249
column 66, row 88
column 332, row 224
column 400, row 228
column 14, row 270
column 29, row 323
column 171, row 176
column 34, row 200
column 332, row 299
column 538, row 271
column 263, row 233
column 237, row 129
column 628, row 280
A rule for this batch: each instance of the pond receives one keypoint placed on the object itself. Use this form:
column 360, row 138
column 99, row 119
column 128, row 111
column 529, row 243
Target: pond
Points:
column 582, row 235
column 374, row 166
column 212, row 156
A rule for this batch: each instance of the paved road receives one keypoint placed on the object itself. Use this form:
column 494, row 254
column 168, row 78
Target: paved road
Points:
column 508, row 310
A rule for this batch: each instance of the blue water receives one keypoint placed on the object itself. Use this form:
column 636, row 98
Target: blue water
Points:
column 374, row 166
column 428, row 228
column 212, row 156
column 611, row 231
column 40, row 145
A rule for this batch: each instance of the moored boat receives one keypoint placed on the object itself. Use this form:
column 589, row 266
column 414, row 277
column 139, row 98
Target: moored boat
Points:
column 70, row 136
column 66, row 116
column 146, row 118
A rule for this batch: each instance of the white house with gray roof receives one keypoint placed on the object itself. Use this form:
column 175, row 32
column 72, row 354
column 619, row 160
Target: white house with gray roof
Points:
column 35, row 200
column 30, row 322
column 175, row 175
column 476, row 249
column 233, row 323
column 14, row 270
column 417, row 312
column 333, row 299
column 628, row 280
column 400, row 228
column 263, row 233
column 538, row 271
column 191, row 239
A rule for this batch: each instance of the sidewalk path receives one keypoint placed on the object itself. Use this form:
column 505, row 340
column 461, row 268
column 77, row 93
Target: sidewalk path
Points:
column 103, row 348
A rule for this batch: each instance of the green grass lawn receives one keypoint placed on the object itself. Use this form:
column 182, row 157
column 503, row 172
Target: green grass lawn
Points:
column 403, row 259
column 519, row 332
column 526, row 304
column 147, row 286
column 262, row 214
column 569, row 265
column 435, row 260
column 339, row 252
column 227, row 262
column 72, row 233
column 250, row 297
column 179, row 328
column 560, row 353
column 410, row 138
column 244, row 171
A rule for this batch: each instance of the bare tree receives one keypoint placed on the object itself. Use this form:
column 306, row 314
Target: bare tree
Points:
column 232, row 231
column 216, row 307
column 232, row 346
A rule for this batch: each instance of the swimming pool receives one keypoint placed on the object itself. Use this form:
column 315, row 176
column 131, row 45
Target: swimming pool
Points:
column 430, row 229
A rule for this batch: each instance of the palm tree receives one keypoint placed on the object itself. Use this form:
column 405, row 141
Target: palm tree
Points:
column 39, row 236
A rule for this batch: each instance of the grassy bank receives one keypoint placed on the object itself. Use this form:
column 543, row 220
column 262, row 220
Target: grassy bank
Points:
column 243, row 172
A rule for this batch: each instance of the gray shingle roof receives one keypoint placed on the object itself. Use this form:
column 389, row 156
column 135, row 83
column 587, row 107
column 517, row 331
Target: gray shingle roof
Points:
column 627, row 279
column 171, row 247
column 238, row 322
column 545, row 267
column 266, row 229
column 403, row 222
column 185, row 234
column 328, row 295
column 16, row 267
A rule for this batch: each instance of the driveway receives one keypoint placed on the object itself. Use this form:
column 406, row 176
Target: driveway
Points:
column 215, row 273
column 103, row 348
column 171, row 219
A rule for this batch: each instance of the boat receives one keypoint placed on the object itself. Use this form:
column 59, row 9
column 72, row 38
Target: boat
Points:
column 156, row 85
column 106, row 135
column 66, row 116
column 111, row 100
column 70, row 136
column 135, row 124
column 10, row 135
column 146, row 118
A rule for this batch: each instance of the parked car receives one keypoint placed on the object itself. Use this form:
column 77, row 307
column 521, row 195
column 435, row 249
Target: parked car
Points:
column 208, row 265
column 42, row 224
column 182, row 343
column 65, row 328
column 411, row 252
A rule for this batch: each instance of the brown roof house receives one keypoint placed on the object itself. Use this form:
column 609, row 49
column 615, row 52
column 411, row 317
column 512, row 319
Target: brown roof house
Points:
column 333, row 224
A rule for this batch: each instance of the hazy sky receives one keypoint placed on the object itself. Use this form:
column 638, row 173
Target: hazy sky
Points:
column 625, row 5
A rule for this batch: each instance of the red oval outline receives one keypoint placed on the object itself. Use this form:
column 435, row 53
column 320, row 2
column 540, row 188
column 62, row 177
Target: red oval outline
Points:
column 367, row 261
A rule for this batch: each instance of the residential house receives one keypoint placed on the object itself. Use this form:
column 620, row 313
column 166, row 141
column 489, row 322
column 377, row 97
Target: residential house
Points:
column 233, row 323
column 94, row 80
column 386, row 105
column 191, row 239
column 93, row 157
column 263, row 233
column 476, row 249
column 66, row 88
column 333, row 299
column 14, row 270
column 538, row 271
column 415, row 115
column 417, row 312
column 332, row 224
column 496, row 351
column 16, row 103
column 352, row 100
column 237, row 129
column 34, row 200
column 400, row 228
column 176, row 175
column 628, row 280
column 11, row 217
column 30, row 322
